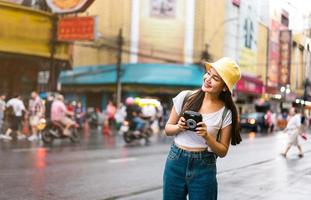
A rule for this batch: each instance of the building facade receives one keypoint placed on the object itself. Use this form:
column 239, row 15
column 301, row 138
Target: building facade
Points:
column 25, row 49
column 161, row 31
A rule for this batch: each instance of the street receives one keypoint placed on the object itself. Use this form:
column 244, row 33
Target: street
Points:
column 103, row 167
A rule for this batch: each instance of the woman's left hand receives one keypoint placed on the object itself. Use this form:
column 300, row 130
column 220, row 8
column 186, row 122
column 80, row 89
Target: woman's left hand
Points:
column 201, row 130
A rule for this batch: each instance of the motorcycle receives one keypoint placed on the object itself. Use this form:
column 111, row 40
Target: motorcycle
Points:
column 53, row 130
column 129, row 134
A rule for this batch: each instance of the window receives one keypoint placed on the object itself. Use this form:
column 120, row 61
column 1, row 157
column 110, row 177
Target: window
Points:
column 163, row 8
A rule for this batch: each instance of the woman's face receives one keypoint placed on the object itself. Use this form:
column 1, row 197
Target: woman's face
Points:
column 212, row 82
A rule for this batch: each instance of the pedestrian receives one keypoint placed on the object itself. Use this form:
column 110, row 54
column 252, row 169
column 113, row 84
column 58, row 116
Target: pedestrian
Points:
column 120, row 115
column 79, row 113
column 48, row 106
column 2, row 109
column 268, row 121
column 36, row 112
column 18, row 109
column 190, row 167
column 294, row 128
column 111, row 110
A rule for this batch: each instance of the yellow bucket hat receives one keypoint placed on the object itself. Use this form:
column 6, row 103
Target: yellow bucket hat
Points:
column 227, row 69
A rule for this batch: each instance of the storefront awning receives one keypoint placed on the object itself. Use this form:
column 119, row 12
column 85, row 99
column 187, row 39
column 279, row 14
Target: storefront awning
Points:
column 136, row 74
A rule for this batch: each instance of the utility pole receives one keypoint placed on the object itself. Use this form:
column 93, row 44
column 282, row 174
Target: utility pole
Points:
column 205, row 56
column 53, row 71
column 119, row 61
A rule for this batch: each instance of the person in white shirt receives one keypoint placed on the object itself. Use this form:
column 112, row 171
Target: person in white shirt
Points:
column 293, row 129
column 18, row 107
column 36, row 112
column 190, row 167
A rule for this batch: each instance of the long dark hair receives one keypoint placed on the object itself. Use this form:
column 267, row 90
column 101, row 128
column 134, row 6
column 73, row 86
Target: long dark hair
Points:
column 195, row 101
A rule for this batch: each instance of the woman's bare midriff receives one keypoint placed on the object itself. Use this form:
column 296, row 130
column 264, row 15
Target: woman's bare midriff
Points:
column 190, row 148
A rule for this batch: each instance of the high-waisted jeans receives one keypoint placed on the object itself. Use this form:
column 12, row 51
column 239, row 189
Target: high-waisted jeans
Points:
column 189, row 173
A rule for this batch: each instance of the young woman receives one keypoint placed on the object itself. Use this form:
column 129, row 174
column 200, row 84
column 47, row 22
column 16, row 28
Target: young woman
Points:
column 191, row 164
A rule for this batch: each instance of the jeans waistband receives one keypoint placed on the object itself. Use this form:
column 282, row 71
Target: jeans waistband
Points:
column 200, row 154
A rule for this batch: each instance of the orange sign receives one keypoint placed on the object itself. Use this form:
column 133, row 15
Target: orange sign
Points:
column 76, row 28
column 68, row 6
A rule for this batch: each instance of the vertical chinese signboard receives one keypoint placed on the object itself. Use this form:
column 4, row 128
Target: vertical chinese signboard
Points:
column 248, row 35
column 274, row 52
column 285, row 55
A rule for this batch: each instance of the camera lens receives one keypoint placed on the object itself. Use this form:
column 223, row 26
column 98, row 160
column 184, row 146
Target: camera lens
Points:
column 191, row 123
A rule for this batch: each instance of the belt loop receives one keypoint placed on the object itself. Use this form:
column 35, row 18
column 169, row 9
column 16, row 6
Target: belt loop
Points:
column 179, row 152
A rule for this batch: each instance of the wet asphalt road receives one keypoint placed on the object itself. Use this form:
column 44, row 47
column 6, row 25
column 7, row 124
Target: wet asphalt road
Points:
column 102, row 168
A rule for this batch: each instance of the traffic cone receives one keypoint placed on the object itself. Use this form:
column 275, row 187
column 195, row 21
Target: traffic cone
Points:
column 25, row 128
column 105, row 128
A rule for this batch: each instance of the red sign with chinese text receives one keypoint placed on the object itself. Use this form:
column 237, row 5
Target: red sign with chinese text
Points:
column 76, row 28
column 249, row 85
column 285, row 57
column 273, row 70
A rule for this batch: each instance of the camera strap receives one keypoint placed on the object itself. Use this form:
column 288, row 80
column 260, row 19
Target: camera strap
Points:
column 186, row 99
column 224, row 113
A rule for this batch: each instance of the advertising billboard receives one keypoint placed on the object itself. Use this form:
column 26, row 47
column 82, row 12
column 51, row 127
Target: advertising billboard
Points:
column 77, row 28
column 285, row 57
column 248, row 37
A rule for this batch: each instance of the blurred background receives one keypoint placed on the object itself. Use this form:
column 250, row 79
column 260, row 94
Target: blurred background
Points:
column 105, row 56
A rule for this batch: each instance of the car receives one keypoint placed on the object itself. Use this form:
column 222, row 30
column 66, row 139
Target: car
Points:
column 253, row 121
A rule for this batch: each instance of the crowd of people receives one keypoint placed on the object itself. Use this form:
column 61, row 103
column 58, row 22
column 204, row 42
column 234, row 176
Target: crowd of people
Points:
column 16, row 117
column 21, row 118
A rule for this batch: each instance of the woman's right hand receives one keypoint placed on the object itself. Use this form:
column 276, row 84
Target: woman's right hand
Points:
column 182, row 124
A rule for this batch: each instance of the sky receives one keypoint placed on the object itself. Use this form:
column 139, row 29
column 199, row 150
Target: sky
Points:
column 298, row 17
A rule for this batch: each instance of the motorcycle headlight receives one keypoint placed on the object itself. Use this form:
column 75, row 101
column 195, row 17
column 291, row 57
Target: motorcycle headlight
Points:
column 252, row 121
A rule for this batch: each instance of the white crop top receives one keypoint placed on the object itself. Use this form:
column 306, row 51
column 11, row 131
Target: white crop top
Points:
column 212, row 121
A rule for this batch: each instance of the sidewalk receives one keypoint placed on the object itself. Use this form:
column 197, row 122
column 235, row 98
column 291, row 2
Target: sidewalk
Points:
column 255, row 170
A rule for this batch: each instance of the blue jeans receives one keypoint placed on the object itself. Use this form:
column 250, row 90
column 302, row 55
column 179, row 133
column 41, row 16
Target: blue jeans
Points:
column 192, row 173
column 139, row 123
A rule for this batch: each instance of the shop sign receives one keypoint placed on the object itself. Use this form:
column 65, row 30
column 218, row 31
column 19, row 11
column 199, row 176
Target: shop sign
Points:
column 250, row 85
column 248, row 36
column 28, row 32
column 68, row 6
column 77, row 28
column 274, row 51
column 285, row 55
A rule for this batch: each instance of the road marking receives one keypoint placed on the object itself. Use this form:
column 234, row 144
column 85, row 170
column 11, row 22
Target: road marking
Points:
column 29, row 149
column 121, row 160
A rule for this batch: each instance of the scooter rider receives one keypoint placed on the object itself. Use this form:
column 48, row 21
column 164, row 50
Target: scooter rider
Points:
column 133, row 112
column 59, row 113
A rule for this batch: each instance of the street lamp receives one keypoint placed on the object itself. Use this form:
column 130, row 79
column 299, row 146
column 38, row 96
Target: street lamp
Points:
column 284, row 90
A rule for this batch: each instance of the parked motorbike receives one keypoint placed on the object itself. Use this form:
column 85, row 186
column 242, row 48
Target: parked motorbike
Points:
column 129, row 135
column 53, row 130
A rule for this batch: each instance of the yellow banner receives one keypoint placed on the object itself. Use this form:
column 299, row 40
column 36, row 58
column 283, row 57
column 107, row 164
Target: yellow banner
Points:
column 248, row 60
column 28, row 32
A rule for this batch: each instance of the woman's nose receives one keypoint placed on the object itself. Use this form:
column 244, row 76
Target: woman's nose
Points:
column 207, row 79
